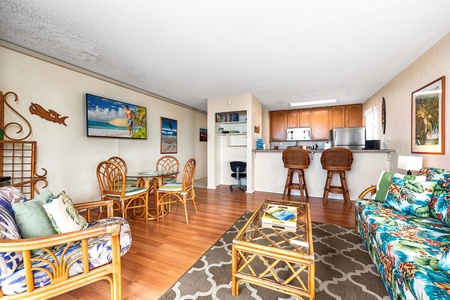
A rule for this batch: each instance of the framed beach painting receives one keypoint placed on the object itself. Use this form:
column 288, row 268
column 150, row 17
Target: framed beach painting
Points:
column 427, row 118
column 168, row 135
column 203, row 135
column 115, row 119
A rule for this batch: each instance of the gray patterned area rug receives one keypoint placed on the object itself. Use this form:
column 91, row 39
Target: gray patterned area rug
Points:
column 344, row 270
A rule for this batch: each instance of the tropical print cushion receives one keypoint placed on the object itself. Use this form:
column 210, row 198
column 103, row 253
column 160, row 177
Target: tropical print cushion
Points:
column 9, row 261
column 440, row 200
column 385, row 180
column 406, row 250
column 410, row 196
column 11, row 194
column 63, row 215
column 99, row 254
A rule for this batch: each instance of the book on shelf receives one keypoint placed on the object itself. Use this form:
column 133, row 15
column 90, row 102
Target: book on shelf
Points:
column 280, row 217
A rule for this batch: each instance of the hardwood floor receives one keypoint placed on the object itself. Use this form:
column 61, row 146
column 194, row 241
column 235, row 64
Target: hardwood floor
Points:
column 163, row 251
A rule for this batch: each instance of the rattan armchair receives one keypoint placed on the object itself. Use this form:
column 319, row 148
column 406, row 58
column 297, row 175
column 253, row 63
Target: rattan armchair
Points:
column 180, row 192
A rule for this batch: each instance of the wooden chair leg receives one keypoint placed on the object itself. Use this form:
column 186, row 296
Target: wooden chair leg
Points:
column 327, row 187
column 287, row 183
column 303, row 184
column 345, row 188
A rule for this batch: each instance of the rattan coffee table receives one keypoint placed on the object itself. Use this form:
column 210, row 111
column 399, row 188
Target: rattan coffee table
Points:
column 281, row 260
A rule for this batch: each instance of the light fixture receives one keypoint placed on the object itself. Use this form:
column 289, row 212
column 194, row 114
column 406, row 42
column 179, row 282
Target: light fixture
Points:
column 410, row 163
column 314, row 102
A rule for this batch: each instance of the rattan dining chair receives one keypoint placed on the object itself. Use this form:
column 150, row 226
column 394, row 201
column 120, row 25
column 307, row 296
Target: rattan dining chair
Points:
column 110, row 176
column 121, row 162
column 168, row 164
column 180, row 192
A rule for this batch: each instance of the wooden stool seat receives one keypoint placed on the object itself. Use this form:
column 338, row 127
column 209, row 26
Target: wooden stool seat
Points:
column 336, row 161
column 296, row 160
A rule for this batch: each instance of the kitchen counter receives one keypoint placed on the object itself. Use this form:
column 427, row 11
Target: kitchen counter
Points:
column 270, row 174
column 321, row 150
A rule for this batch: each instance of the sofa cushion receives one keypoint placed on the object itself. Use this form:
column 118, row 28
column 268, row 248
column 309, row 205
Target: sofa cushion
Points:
column 406, row 250
column 99, row 250
column 11, row 194
column 9, row 261
column 32, row 218
column 410, row 196
column 63, row 215
column 384, row 181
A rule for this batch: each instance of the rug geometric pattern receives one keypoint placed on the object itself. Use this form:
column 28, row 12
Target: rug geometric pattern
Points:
column 344, row 270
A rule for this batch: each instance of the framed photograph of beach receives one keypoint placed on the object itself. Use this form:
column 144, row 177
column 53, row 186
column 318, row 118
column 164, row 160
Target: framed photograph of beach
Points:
column 427, row 118
column 115, row 119
column 203, row 135
column 168, row 135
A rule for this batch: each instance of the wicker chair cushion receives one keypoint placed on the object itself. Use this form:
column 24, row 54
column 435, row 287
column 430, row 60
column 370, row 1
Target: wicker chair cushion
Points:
column 99, row 254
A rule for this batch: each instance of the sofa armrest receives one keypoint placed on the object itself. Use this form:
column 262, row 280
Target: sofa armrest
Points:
column 372, row 190
column 59, row 278
column 103, row 206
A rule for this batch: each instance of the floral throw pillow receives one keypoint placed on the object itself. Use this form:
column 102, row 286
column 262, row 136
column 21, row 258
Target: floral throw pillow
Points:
column 410, row 196
column 63, row 215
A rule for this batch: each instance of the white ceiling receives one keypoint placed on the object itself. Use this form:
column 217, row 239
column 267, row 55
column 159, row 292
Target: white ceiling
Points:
column 188, row 51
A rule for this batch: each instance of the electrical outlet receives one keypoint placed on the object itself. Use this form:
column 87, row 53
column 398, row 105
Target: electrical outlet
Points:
column 389, row 139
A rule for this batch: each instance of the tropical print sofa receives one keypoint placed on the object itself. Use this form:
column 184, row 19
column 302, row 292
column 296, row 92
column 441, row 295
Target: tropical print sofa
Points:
column 48, row 248
column 405, row 227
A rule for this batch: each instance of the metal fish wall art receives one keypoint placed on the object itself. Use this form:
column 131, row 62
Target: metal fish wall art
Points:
column 49, row 115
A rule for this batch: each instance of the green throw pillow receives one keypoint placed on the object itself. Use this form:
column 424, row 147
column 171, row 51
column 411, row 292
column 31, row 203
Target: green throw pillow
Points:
column 63, row 215
column 31, row 217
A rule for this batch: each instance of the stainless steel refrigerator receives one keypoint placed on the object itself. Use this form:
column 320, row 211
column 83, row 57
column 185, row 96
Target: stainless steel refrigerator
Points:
column 350, row 138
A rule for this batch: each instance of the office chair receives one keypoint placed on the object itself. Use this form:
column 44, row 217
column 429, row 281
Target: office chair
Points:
column 238, row 169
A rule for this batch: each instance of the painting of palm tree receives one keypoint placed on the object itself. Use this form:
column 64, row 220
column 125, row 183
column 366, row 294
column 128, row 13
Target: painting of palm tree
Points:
column 428, row 121
column 168, row 135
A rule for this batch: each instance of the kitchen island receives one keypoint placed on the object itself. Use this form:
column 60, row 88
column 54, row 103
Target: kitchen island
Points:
column 270, row 174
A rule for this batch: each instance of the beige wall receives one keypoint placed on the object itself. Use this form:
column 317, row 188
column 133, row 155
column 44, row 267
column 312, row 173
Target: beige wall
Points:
column 433, row 64
column 71, row 157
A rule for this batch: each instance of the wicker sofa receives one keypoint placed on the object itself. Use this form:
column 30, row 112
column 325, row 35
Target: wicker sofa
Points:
column 47, row 266
column 405, row 226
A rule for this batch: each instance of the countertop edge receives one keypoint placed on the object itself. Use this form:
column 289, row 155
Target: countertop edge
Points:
column 320, row 151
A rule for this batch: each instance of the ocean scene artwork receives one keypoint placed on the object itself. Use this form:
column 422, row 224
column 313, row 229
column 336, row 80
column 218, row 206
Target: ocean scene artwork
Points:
column 168, row 135
column 115, row 119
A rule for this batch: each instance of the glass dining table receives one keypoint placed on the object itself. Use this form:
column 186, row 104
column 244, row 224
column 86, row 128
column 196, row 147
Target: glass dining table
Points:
column 151, row 180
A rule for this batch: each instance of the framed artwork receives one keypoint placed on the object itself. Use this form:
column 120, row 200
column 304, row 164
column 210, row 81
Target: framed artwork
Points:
column 203, row 135
column 427, row 118
column 115, row 119
column 168, row 135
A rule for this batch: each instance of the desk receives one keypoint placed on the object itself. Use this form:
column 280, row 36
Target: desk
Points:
column 151, row 180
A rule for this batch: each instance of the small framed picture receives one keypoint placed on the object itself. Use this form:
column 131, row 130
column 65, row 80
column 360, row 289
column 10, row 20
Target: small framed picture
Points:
column 203, row 135
column 168, row 135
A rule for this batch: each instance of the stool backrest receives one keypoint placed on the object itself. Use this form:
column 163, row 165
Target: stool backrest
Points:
column 296, row 158
column 337, row 159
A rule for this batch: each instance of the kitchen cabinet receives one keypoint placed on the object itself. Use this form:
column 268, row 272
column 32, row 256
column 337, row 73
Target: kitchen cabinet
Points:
column 353, row 115
column 292, row 118
column 321, row 120
column 320, row 129
column 278, row 125
column 304, row 118
column 337, row 116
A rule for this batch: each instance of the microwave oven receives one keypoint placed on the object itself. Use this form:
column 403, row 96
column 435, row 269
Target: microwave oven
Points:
column 298, row 134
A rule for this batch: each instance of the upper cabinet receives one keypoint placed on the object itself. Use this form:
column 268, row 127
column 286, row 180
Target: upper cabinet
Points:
column 278, row 125
column 292, row 118
column 337, row 116
column 320, row 129
column 353, row 115
column 321, row 120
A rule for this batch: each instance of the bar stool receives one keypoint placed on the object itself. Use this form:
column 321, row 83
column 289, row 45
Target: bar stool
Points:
column 296, row 160
column 336, row 161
